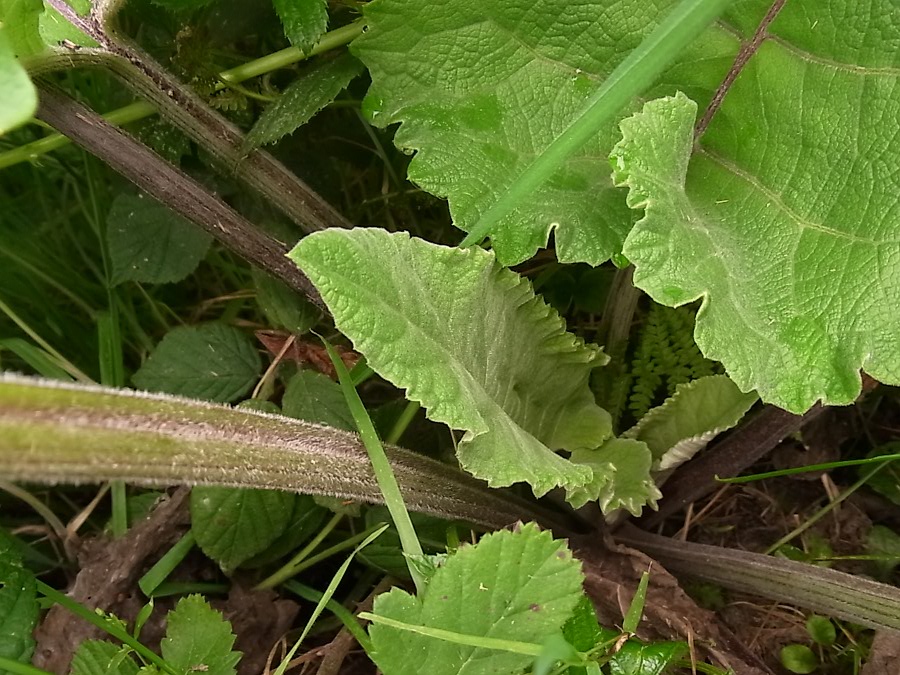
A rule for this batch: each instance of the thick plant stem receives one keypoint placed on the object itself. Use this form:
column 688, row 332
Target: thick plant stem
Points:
column 631, row 77
column 51, row 432
column 139, row 110
column 187, row 111
column 172, row 187
column 846, row 596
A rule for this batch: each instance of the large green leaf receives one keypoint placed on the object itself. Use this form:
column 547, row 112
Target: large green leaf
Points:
column 519, row 586
column 687, row 421
column 18, row 97
column 790, row 241
column 315, row 397
column 19, row 21
column 483, row 86
column 470, row 341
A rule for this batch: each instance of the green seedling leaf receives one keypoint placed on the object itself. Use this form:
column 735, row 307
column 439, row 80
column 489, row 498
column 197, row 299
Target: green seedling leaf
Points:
column 795, row 264
column 233, row 525
column 799, row 659
column 621, row 477
column 151, row 244
column 315, row 88
column 99, row 657
column 18, row 97
column 315, row 397
column 19, row 19
column 420, row 313
column 517, row 586
column 821, row 630
column 482, row 87
column 554, row 650
column 18, row 607
column 685, row 423
column 884, row 542
column 304, row 21
column 198, row 639
column 283, row 307
column 637, row 658
column 213, row 362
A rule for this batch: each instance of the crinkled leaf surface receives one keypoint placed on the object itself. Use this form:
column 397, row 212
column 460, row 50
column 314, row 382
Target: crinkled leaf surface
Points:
column 150, row 243
column 315, row 88
column 233, row 525
column 18, row 97
column 100, row 657
column 304, row 21
column 520, row 586
column 799, row 290
column 198, row 639
column 621, row 469
column 695, row 414
column 481, row 87
column 18, row 607
column 470, row 341
column 213, row 362
column 785, row 221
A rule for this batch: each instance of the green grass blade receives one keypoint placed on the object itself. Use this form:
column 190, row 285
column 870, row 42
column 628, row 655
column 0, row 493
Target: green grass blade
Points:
column 635, row 74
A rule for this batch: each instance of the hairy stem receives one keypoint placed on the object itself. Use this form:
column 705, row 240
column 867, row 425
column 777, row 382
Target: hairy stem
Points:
column 187, row 111
column 846, row 596
column 52, row 432
column 172, row 187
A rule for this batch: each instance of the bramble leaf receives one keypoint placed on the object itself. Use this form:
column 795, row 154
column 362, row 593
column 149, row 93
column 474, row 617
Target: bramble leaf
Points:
column 687, row 421
column 471, row 342
column 198, row 639
column 233, row 525
column 18, row 97
column 481, row 88
column 314, row 397
column 304, row 21
column 18, row 607
column 282, row 306
column 150, row 243
column 314, row 89
column 213, row 362
column 797, row 268
column 100, row 657
column 520, row 586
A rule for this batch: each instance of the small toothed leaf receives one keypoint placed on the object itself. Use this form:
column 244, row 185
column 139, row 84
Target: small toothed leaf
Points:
column 621, row 469
column 198, row 639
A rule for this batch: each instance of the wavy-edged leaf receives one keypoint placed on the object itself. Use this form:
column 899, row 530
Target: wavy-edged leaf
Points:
column 621, row 469
column 199, row 639
column 213, row 361
column 313, row 90
column 304, row 21
column 481, row 88
column 150, row 243
column 785, row 220
column 521, row 586
column 233, row 525
column 470, row 341
column 18, row 97
column 686, row 422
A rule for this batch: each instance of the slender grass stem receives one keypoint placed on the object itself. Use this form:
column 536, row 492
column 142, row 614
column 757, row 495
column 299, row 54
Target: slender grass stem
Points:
column 631, row 77
column 286, row 571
